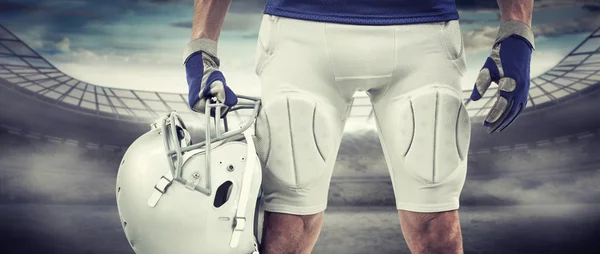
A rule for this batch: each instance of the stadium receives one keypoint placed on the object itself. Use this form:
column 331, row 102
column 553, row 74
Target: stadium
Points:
column 62, row 140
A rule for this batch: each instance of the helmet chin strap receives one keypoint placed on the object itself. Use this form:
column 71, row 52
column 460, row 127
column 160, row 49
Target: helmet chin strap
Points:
column 240, row 216
column 170, row 122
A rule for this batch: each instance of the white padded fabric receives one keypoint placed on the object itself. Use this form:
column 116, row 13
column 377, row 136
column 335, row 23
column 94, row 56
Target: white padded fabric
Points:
column 412, row 74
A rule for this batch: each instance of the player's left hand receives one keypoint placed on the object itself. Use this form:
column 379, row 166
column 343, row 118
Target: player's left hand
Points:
column 508, row 66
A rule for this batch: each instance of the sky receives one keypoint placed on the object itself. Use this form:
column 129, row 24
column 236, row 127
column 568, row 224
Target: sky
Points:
column 138, row 44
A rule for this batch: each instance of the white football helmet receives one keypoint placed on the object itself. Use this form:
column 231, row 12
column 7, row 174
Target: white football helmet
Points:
column 177, row 197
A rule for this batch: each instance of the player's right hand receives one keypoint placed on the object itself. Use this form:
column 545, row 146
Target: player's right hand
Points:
column 205, row 80
column 508, row 65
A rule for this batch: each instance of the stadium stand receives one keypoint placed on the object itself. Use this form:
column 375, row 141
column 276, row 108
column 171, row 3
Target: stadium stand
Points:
column 60, row 131
column 54, row 98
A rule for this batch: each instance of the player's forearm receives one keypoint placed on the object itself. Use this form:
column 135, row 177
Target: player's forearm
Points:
column 516, row 10
column 208, row 18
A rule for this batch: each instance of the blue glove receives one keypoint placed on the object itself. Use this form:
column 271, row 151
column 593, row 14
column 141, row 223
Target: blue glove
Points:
column 204, row 79
column 508, row 66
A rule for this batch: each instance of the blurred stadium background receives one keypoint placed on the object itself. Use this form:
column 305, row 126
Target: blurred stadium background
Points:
column 532, row 189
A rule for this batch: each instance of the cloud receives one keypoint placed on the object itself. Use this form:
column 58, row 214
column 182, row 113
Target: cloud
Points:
column 142, row 27
column 233, row 22
column 17, row 7
column 575, row 187
column 87, row 17
column 182, row 24
column 85, row 54
column 478, row 21
column 64, row 45
column 63, row 51
column 482, row 38
column 577, row 25
column 479, row 38
column 155, row 70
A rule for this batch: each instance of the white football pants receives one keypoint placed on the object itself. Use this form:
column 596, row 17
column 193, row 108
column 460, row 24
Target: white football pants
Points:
column 309, row 73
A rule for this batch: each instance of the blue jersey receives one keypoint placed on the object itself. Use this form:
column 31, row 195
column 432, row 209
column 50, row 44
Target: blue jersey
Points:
column 365, row 12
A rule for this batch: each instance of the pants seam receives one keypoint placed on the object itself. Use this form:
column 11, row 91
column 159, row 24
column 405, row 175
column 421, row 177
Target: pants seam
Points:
column 270, row 138
column 412, row 136
column 435, row 130
column 428, row 208
column 387, row 88
column 332, row 66
column 314, row 134
column 294, row 167
column 293, row 209
column 456, row 131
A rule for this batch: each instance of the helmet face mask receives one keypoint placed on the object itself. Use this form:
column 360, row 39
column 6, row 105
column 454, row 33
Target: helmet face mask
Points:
column 177, row 197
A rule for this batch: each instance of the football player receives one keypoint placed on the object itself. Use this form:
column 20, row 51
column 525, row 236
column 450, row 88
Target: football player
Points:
column 408, row 56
